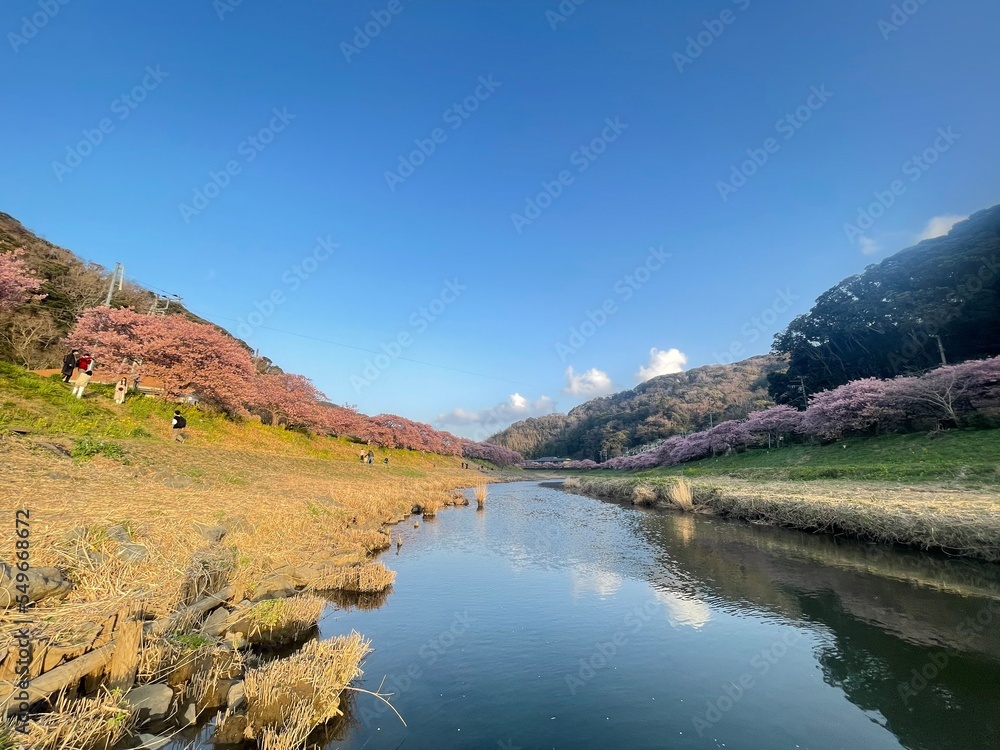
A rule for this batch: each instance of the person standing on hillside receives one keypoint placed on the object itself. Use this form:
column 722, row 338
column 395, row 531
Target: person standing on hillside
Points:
column 120, row 390
column 69, row 364
column 85, row 365
column 179, row 426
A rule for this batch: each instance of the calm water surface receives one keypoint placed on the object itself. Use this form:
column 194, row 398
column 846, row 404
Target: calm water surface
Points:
column 551, row 620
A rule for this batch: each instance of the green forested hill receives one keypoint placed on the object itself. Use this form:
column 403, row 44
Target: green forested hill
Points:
column 899, row 315
column 660, row 407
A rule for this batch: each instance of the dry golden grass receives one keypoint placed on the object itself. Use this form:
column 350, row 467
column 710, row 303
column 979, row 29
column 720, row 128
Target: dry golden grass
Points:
column 643, row 494
column 680, row 495
column 286, row 500
column 288, row 698
column 958, row 521
column 88, row 724
column 368, row 578
column 480, row 490
column 284, row 620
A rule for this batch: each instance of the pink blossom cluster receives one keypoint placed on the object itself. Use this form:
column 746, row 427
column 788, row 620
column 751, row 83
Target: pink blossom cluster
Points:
column 584, row 464
column 191, row 357
column 495, row 454
column 861, row 407
column 17, row 282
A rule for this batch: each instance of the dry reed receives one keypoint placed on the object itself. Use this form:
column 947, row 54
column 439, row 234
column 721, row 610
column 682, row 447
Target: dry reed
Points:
column 295, row 695
column 97, row 723
column 643, row 494
column 480, row 488
column 367, row 578
column 680, row 495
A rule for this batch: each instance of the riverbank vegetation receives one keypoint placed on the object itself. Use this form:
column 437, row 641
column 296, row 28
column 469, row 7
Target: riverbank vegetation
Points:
column 932, row 491
column 167, row 571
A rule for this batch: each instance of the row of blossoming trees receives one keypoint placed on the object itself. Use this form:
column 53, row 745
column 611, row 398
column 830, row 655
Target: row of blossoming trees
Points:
column 191, row 357
column 947, row 396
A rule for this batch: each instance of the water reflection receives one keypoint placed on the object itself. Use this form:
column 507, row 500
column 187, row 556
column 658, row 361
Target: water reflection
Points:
column 684, row 610
column 914, row 639
column 587, row 579
column 552, row 620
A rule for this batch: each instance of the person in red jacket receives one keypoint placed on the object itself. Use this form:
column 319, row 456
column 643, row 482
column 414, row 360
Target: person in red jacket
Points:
column 85, row 365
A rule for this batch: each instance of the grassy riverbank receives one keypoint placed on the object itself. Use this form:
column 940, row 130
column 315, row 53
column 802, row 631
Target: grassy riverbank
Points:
column 934, row 516
column 939, row 491
column 964, row 457
column 129, row 524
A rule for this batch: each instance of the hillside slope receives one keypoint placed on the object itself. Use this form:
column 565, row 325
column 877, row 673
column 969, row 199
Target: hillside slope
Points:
column 939, row 298
column 660, row 407
column 30, row 335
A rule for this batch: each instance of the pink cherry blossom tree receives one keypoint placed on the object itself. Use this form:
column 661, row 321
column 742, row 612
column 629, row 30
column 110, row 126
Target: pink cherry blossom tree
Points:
column 17, row 282
column 949, row 391
column 184, row 355
column 867, row 406
column 775, row 423
column 288, row 397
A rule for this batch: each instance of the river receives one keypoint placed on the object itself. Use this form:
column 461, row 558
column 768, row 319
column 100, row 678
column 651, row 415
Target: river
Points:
column 552, row 620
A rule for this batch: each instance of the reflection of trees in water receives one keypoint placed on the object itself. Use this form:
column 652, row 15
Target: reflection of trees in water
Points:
column 956, row 709
column 888, row 612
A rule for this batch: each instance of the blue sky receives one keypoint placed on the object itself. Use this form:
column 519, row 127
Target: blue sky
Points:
column 460, row 186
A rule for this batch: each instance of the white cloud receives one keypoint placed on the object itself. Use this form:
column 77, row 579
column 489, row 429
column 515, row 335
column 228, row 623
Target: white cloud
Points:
column 868, row 245
column 485, row 422
column 593, row 382
column 661, row 363
column 940, row 226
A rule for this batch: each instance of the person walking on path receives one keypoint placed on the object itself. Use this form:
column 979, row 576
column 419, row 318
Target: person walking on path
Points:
column 179, row 426
column 120, row 390
column 85, row 365
column 69, row 364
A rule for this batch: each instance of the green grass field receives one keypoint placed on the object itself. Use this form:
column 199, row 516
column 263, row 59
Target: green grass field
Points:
column 965, row 456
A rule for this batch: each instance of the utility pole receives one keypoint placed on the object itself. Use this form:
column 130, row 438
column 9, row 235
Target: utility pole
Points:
column 940, row 348
column 118, row 275
column 805, row 395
